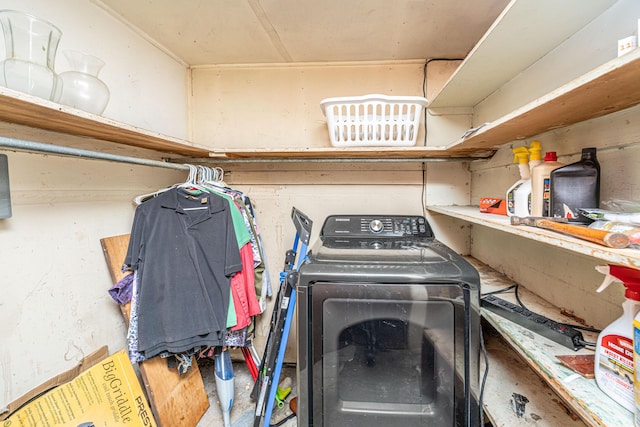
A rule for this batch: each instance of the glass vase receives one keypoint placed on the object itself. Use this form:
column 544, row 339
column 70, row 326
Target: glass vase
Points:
column 82, row 89
column 29, row 65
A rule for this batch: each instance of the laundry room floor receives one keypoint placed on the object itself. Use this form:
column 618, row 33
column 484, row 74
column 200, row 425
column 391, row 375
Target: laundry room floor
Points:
column 243, row 409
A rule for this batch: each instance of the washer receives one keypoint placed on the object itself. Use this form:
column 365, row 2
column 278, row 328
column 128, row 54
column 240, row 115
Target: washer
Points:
column 388, row 327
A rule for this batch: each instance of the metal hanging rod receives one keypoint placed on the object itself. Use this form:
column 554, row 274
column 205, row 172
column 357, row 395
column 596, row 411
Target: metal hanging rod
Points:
column 217, row 160
column 88, row 154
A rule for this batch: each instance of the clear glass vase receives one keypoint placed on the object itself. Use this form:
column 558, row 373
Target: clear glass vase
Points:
column 82, row 89
column 29, row 65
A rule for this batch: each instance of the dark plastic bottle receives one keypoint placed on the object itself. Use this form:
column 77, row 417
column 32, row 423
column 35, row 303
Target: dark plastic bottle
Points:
column 576, row 186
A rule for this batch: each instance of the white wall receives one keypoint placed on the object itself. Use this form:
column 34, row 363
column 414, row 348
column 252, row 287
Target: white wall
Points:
column 62, row 207
column 279, row 105
column 148, row 87
column 54, row 278
column 55, row 307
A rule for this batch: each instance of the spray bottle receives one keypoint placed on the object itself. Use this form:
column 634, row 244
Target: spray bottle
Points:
column 518, row 205
column 614, row 356
column 225, row 384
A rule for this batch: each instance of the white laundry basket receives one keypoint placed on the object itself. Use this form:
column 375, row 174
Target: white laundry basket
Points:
column 373, row 120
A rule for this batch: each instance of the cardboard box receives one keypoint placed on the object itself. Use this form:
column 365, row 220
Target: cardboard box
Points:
column 105, row 394
column 493, row 205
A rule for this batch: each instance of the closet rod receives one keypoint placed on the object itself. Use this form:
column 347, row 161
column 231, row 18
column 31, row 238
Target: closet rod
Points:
column 206, row 160
column 78, row 152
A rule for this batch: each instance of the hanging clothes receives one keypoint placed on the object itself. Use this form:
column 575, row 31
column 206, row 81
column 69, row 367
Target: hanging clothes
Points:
column 262, row 280
column 184, row 249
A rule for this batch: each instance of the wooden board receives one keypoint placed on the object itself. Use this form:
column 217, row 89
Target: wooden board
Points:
column 581, row 395
column 626, row 257
column 496, row 59
column 508, row 374
column 584, row 364
column 23, row 109
column 608, row 88
column 176, row 400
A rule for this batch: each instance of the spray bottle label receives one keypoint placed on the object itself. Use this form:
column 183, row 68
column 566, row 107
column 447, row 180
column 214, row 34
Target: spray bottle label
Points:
column 546, row 192
column 511, row 200
column 636, row 358
column 616, row 368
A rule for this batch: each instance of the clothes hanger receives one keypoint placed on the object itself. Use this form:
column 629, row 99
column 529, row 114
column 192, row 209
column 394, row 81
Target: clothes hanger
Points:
column 138, row 200
column 215, row 180
column 193, row 186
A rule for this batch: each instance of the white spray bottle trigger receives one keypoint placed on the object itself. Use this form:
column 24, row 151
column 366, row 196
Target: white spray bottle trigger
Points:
column 604, row 269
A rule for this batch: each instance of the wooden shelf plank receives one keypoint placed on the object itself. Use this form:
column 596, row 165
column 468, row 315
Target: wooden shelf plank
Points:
column 553, row 22
column 410, row 153
column 580, row 394
column 23, row 109
column 627, row 257
column 37, row 113
column 509, row 374
column 609, row 88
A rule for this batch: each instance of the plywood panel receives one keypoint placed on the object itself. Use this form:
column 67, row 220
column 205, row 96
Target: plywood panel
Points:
column 177, row 400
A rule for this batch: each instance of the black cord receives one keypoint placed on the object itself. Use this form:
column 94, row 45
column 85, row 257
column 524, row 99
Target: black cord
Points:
column 424, row 94
column 424, row 88
column 499, row 291
column 584, row 328
column 518, row 298
column 586, row 343
column 484, row 377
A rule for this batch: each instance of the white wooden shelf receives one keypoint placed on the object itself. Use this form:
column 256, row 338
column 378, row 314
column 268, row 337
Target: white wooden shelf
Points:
column 42, row 114
column 509, row 374
column 627, row 257
column 540, row 24
column 37, row 114
column 606, row 89
column 609, row 88
column 581, row 395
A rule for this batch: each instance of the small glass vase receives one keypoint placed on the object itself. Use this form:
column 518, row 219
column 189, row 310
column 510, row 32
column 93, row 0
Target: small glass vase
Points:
column 30, row 44
column 82, row 89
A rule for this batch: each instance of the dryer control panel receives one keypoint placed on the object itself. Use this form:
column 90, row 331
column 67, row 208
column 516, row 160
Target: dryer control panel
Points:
column 375, row 226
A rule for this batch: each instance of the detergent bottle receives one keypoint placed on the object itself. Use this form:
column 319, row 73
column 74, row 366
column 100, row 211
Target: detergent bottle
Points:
column 541, row 184
column 535, row 159
column 614, row 365
column 517, row 203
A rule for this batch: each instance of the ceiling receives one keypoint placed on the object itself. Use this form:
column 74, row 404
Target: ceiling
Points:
column 211, row 32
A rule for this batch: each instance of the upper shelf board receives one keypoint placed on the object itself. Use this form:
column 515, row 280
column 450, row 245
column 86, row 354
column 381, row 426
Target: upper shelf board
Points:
column 339, row 153
column 537, row 25
column 38, row 113
column 611, row 87
column 23, row 109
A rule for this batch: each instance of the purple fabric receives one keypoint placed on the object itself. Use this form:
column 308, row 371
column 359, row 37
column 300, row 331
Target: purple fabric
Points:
column 121, row 291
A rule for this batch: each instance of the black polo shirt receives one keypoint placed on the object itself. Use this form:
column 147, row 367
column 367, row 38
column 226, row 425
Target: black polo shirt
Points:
column 184, row 249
